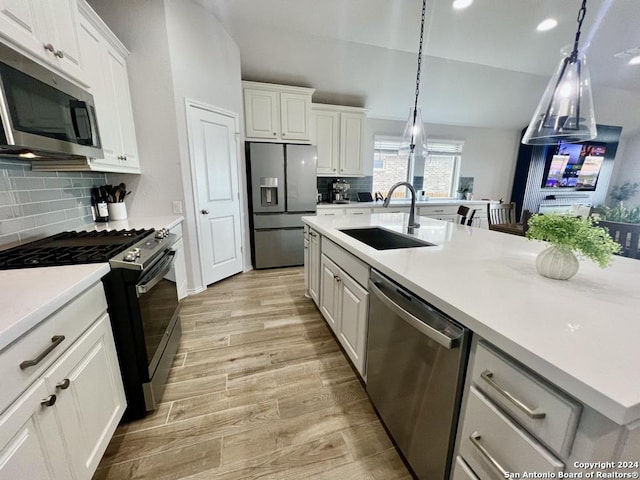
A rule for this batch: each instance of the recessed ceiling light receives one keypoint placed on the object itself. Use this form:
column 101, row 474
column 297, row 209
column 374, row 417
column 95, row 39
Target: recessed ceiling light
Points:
column 635, row 60
column 547, row 24
column 460, row 4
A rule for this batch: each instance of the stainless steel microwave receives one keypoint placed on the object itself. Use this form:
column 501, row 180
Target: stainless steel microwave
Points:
column 43, row 115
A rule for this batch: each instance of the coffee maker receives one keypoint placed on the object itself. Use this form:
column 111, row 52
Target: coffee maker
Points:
column 339, row 191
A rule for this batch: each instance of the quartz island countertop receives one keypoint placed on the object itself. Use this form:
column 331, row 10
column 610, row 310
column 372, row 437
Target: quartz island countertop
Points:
column 581, row 334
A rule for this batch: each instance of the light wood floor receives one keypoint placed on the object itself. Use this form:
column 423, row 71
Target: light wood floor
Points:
column 259, row 389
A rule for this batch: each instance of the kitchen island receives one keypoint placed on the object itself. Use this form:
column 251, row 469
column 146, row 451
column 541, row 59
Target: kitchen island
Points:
column 580, row 335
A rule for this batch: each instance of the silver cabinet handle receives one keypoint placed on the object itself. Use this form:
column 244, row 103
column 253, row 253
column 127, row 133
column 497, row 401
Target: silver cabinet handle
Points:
column 204, row 211
column 475, row 440
column 55, row 341
column 487, row 376
column 50, row 401
column 275, row 134
column 64, row 384
column 49, row 48
column 59, row 54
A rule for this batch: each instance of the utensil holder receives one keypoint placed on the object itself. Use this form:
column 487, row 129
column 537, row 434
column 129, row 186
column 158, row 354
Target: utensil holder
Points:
column 117, row 211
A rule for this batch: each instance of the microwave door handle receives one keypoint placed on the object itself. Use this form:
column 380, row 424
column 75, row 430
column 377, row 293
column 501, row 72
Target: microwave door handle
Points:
column 74, row 107
column 161, row 270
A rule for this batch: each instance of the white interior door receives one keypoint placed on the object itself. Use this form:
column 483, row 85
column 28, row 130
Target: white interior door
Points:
column 214, row 158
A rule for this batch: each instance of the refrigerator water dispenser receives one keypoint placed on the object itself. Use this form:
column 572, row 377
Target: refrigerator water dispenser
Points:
column 268, row 191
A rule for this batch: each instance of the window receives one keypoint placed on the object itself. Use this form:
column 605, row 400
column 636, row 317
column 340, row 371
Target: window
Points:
column 437, row 175
column 388, row 168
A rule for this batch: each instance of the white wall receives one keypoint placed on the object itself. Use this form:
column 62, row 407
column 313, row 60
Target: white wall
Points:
column 489, row 154
column 178, row 50
column 205, row 63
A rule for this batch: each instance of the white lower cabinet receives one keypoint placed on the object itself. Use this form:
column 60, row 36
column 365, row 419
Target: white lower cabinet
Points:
column 30, row 442
column 60, row 427
column 345, row 306
column 313, row 270
column 90, row 399
column 329, row 292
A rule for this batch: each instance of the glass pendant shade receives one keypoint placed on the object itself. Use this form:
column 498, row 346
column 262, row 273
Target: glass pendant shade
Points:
column 565, row 111
column 414, row 138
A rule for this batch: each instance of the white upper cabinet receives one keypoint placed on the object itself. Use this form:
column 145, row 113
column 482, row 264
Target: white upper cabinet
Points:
column 338, row 133
column 46, row 30
column 104, row 58
column 277, row 113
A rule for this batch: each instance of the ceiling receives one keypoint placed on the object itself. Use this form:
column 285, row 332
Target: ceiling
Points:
column 484, row 66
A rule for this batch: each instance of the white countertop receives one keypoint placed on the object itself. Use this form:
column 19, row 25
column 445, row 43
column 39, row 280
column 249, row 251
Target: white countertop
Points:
column 582, row 334
column 30, row 295
column 137, row 223
column 405, row 202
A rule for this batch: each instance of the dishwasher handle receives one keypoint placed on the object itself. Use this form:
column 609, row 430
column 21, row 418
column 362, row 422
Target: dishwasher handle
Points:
column 437, row 336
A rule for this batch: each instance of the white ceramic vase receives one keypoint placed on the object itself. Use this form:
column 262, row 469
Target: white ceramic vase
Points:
column 557, row 263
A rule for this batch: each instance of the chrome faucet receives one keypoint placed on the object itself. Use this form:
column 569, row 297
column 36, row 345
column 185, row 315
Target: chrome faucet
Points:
column 412, row 213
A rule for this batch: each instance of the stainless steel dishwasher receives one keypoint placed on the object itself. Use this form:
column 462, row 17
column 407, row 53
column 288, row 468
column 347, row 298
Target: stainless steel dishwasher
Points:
column 416, row 359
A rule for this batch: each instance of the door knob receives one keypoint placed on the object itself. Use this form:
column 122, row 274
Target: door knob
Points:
column 204, row 212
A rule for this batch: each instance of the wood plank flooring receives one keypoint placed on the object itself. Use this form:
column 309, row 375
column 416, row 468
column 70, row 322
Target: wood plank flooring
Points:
column 259, row 389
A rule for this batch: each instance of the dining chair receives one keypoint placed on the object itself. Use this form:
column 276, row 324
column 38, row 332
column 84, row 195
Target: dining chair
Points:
column 524, row 219
column 466, row 215
column 627, row 235
column 501, row 213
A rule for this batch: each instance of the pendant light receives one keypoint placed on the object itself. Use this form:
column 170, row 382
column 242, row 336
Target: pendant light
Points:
column 414, row 138
column 565, row 111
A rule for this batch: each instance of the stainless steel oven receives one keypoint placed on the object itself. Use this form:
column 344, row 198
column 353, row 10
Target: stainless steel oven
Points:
column 144, row 308
column 158, row 304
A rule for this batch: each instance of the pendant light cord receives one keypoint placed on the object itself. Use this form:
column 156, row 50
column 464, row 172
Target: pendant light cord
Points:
column 415, row 105
column 581, row 14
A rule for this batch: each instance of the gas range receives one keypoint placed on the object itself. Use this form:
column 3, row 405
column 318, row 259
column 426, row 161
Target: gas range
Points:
column 142, row 299
column 133, row 249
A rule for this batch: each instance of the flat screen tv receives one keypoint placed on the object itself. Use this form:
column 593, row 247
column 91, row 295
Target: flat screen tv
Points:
column 574, row 165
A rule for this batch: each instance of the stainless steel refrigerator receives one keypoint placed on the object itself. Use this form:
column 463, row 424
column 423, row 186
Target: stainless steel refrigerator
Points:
column 282, row 188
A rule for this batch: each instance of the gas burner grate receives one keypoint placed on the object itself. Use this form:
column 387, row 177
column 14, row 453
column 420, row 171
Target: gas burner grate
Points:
column 71, row 248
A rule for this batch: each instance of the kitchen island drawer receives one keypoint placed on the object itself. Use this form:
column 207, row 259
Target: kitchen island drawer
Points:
column 492, row 445
column 461, row 470
column 351, row 264
column 24, row 361
column 543, row 410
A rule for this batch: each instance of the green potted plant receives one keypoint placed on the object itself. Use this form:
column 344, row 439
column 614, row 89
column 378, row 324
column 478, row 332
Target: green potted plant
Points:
column 623, row 192
column 569, row 235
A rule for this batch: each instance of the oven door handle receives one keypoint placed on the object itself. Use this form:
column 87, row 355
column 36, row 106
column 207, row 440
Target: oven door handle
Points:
column 157, row 273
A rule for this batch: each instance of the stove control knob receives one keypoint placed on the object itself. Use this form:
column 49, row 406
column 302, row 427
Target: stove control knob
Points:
column 162, row 233
column 132, row 255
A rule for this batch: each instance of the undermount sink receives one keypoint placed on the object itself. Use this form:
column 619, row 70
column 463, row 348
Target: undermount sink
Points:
column 382, row 239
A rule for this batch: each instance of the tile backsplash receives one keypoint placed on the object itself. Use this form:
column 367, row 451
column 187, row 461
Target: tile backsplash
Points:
column 358, row 184
column 37, row 204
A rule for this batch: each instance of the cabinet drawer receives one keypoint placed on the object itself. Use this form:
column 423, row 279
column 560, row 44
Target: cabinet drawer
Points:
column 70, row 322
column 357, row 211
column 438, row 210
column 491, row 444
column 349, row 263
column 544, row 411
column 461, row 470
column 336, row 212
